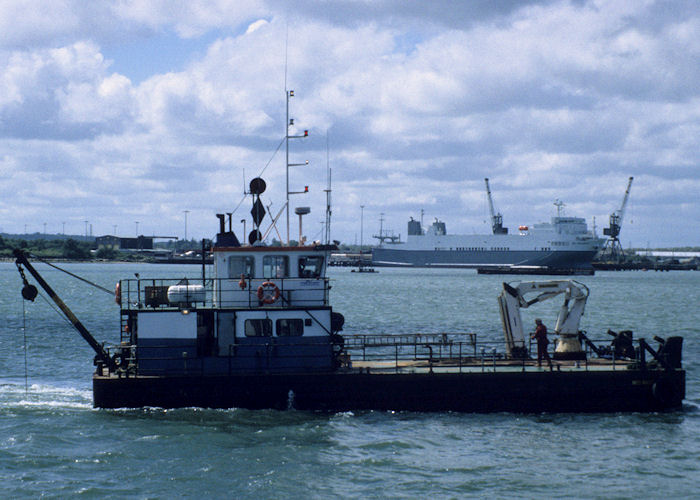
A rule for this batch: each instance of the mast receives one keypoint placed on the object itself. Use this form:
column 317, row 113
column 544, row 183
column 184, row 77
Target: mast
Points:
column 560, row 207
column 286, row 140
column 290, row 122
column 328, row 195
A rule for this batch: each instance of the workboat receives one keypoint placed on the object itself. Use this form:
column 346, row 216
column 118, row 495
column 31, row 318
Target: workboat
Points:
column 563, row 243
column 261, row 333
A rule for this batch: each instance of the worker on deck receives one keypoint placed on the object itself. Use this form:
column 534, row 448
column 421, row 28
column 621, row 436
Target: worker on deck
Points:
column 542, row 341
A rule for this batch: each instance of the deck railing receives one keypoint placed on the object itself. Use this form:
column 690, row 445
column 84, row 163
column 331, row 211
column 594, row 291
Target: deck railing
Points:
column 376, row 352
column 149, row 294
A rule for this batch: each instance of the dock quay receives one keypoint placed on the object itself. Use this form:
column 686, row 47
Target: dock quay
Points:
column 350, row 260
column 536, row 270
column 645, row 266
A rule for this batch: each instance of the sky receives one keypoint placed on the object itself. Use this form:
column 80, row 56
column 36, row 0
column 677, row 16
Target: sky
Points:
column 136, row 115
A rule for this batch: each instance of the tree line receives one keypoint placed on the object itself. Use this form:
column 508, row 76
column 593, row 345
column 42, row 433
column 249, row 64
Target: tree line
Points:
column 69, row 249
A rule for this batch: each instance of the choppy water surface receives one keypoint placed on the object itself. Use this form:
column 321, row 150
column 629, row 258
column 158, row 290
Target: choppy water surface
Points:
column 53, row 443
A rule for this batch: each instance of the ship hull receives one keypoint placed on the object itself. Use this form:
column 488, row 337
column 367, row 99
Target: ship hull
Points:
column 393, row 257
column 479, row 392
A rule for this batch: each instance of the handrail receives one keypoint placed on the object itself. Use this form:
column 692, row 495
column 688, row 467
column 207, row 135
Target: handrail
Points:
column 376, row 351
column 219, row 293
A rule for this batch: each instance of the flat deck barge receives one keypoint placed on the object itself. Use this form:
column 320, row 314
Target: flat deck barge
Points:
column 439, row 372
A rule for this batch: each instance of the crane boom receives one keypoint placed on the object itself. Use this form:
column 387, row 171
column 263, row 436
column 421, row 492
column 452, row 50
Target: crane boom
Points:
column 496, row 218
column 22, row 260
column 621, row 212
column 488, row 194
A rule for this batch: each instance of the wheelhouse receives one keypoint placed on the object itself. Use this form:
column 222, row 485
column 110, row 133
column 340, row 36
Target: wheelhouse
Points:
column 265, row 309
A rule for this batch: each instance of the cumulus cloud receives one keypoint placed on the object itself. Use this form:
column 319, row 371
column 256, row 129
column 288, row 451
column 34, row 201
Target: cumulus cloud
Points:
column 550, row 99
column 62, row 93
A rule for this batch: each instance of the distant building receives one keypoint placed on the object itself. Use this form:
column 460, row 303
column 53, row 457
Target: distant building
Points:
column 117, row 243
column 109, row 241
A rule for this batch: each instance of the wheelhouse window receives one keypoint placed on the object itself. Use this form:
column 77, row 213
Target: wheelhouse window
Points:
column 238, row 265
column 258, row 327
column 275, row 266
column 290, row 327
column 310, row 266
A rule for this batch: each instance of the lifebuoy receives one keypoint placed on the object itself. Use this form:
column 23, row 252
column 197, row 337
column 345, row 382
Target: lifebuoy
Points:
column 118, row 293
column 268, row 293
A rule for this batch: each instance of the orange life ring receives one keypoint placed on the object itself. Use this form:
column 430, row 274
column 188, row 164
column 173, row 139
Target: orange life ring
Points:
column 268, row 298
column 118, row 293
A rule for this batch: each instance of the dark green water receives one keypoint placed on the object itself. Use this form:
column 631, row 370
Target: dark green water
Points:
column 53, row 444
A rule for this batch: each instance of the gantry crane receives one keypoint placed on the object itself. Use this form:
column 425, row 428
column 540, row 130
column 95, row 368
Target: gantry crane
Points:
column 496, row 218
column 612, row 247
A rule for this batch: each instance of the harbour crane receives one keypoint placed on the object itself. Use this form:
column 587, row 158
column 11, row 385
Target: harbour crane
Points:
column 612, row 247
column 496, row 218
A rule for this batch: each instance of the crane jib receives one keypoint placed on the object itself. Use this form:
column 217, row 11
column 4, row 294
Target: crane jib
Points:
column 21, row 259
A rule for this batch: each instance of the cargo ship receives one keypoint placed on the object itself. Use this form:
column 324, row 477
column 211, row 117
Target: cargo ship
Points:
column 562, row 243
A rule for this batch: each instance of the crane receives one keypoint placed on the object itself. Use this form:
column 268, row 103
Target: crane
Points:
column 512, row 299
column 496, row 218
column 612, row 245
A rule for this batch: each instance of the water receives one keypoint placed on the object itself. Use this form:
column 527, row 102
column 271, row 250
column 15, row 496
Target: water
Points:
column 54, row 444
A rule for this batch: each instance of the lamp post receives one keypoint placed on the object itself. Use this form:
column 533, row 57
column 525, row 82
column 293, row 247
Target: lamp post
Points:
column 186, row 212
column 362, row 219
column 137, row 228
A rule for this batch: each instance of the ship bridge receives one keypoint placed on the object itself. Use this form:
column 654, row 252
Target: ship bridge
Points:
column 245, row 277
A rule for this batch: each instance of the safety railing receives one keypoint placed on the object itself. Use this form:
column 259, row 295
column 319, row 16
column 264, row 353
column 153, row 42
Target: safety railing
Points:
column 374, row 352
column 438, row 345
column 410, row 351
column 464, row 351
column 149, row 294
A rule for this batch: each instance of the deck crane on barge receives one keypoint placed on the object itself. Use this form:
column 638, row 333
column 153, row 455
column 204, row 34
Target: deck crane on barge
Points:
column 512, row 299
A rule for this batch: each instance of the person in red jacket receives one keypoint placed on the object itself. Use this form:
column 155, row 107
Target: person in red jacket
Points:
column 542, row 341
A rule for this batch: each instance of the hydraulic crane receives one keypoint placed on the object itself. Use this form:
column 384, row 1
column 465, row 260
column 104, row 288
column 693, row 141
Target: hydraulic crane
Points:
column 512, row 300
column 612, row 247
column 496, row 218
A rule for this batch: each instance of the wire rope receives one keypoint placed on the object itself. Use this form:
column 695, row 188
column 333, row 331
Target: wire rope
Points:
column 24, row 334
column 99, row 287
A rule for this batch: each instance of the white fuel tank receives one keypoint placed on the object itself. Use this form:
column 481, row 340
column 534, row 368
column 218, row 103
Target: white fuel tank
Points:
column 186, row 294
